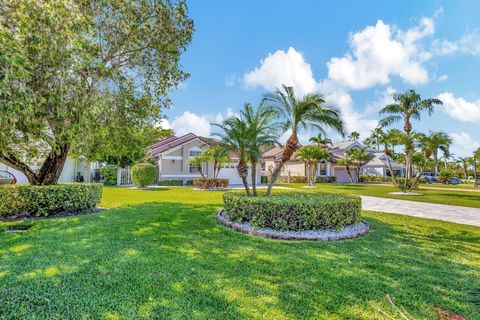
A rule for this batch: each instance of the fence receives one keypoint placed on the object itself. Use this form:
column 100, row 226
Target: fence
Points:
column 123, row 177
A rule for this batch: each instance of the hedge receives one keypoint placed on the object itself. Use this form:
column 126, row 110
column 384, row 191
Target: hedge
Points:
column 143, row 174
column 210, row 183
column 109, row 174
column 30, row 201
column 304, row 179
column 294, row 211
column 375, row 179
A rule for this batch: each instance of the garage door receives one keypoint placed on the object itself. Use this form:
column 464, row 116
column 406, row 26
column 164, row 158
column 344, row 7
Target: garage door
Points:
column 230, row 172
column 341, row 175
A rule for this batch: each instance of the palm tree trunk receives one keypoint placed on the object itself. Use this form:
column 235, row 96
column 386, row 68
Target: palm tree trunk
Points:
column 435, row 160
column 254, row 176
column 290, row 147
column 417, row 178
column 389, row 164
column 349, row 173
column 242, row 170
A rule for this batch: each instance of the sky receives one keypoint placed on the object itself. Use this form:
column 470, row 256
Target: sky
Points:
column 355, row 53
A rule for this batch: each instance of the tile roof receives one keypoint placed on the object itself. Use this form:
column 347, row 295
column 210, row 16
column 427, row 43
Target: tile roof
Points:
column 171, row 142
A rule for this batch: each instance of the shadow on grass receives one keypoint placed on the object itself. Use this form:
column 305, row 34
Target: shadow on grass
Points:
column 171, row 260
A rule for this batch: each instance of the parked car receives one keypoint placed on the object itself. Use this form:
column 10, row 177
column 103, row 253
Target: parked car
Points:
column 430, row 176
column 455, row 181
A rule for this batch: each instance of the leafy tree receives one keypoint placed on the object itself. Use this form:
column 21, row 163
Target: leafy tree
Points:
column 354, row 136
column 312, row 155
column 309, row 112
column 408, row 106
column 85, row 78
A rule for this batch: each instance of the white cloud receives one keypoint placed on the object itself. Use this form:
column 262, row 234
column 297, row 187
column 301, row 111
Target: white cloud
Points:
column 443, row 77
column 469, row 43
column 382, row 99
column 280, row 67
column 459, row 108
column 463, row 145
column 191, row 122
column 380, row 51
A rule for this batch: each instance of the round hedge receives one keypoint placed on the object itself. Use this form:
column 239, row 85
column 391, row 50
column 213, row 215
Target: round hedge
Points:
column 25, row 200
column 143, row 174
column 294, row 210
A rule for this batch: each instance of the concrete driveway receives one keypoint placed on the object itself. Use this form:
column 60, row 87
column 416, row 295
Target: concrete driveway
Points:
column 457, row 214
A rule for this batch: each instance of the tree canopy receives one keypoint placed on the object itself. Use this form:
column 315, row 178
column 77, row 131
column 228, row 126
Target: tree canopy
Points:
column 85, row 78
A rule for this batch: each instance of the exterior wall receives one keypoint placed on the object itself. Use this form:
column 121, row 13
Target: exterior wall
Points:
column 372, row 171
column 342, row 176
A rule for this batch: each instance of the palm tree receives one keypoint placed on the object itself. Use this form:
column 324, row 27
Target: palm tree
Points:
column 408, row 106
column 374, row 138
column 321, row 140
column 440, row 140
column 198, row 161
column 360, row 156
column 311, row 111
column 395, row 137
column 348, row 160
column 261, row 133
column 354, row 136
column 385, row 140
column 427, row 144
column 465, row 162
column 219, row 156
column 233, row 137
column 446, row 154
column 312, row 155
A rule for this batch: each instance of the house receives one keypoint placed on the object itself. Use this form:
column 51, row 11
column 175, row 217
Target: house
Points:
column 377, row 166
column 172, row 155
column 69, row 173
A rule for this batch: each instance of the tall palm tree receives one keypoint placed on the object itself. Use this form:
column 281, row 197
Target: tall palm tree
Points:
column 446, row 154
column 465, row 162
column 354, row 136
column 233, row 137
column 374, row 138
column 439, row 140
column 219, row 156
column 262, row 132
column 427, row 144
column 395, row 137
column 360, row 156
column 308, row 112
column 385, row 140
column 408, row 106
column 312, row 155
column 348, row 161
column 321, row 140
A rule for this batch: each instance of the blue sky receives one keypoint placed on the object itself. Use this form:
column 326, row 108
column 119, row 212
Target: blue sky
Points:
column 356, row 53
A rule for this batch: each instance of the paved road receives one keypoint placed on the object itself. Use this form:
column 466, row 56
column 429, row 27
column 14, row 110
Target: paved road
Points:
column 457, row 214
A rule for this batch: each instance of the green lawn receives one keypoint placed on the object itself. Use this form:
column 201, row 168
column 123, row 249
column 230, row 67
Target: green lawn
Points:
column 453, row 197
column 160, row 255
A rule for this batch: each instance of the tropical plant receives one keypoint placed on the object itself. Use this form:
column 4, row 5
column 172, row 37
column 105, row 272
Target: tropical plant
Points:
column 321, row 140
column 312, row 155
column 465, row 162
column 385, row 140
column 375, row 138
column 348, row 161
column 395, row 138
column 408, row 106
column 262, row 132
column 445, row 176
column 446, row 154
column 439, row 140
column 85, row 78
column 309, row 112
column 219, row 156
column 360, row 156
column 199, row 160
column 354, row 136
column 426, row 143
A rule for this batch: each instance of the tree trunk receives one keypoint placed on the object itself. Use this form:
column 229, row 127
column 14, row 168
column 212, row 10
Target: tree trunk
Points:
column 347, row 167
column 435, row 160
column 417, row 178
column 254, row 176
column 242, row 170
column 389, row 164
column 290, row 147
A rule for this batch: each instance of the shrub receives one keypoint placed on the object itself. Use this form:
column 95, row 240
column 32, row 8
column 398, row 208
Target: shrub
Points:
column 375, row 179
column 326, row 179
column 303, row 179
column 445, row 176
column 264, row 179
column 210, row 183
column 109, row 174
column 143, row 174
column 294, row 211
column 29, row 201
column 170, row 183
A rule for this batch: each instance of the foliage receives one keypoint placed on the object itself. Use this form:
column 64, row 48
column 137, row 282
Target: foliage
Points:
column 34, row 201
column 294, row 211
column 445, row 176
column 210, row 183
column 85, row 78
column 312, row 155
column 79, row 177
column 198, row 161
column 174, row 182
column 304, row 179
column 354, row 136
column 109, row 174
column 219, row 157
column 143, row 174
column 309, row 112
column 374, row 179
column 321, row 140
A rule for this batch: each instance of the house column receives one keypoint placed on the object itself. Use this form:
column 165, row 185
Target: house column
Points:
column 159, row 167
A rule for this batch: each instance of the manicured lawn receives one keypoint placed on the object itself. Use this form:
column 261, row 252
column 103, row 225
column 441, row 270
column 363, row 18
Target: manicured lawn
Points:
column 453, row 197
column 160, row 255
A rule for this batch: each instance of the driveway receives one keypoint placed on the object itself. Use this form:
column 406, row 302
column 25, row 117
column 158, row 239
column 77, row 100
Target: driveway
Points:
column 457, row 214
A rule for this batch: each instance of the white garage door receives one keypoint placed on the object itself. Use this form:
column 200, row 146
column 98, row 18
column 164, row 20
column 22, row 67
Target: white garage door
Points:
column 230, row 172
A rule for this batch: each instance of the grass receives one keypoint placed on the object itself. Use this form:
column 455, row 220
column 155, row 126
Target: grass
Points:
column 452, row 197
column 159, row 254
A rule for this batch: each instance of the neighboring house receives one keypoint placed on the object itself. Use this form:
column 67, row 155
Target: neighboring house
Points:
column 69, row 173
column 172, row 156
column 375, row 167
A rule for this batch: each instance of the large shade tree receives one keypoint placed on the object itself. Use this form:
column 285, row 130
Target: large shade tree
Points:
column 407, row 106
column 85, row 78
column 296, row 114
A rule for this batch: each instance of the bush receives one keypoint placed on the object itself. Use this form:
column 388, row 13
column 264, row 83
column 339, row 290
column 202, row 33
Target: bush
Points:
column 30, row 201
column 445, row 176
column 294, row 211
column 210, row 183
column 304, row 179
column 109, row 174
column 326, row 179
column 375, row 179
column 143, row 174
column 170, row 183
column 264, row 179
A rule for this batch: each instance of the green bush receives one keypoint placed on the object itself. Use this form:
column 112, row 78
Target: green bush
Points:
column 29, row 201
column 303, row 179
column 264, row 179
column 326, row 179
column 445, row 176
column 375, row 179
column 170, row 183
column 294, row 211
column 143, row 174
column 109, row 174
column 210, row 183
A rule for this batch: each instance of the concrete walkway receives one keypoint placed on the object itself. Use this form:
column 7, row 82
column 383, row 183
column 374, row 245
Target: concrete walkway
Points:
column 457, row 214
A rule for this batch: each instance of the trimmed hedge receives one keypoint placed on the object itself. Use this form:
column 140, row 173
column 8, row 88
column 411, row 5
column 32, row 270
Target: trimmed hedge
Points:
column 29, row 201
column 375, row 179
column 210, row 183
column 294, row 211
column 303, row 179
column 143, row 174
column 109, row 174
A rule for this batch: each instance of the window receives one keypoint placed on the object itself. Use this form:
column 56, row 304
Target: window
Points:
column 322, row 168
column 193, row 169
column 194, row 152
